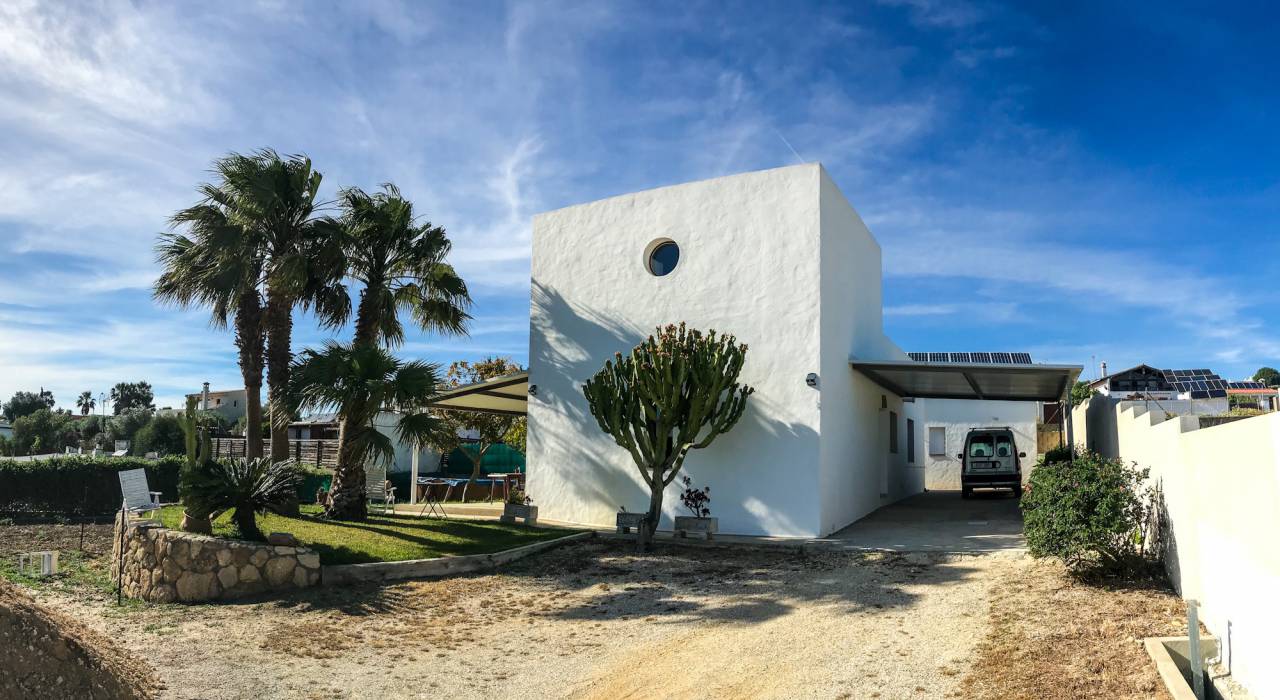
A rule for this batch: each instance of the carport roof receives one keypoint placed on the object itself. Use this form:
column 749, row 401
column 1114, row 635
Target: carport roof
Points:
column 967, row 380
column 507, row 395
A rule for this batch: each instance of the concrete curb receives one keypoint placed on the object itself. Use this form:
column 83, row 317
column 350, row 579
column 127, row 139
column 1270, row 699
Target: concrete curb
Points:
column 347, row 574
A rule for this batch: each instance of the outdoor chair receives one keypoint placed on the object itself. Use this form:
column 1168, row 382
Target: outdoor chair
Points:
column 138, row 498
column 378, row 490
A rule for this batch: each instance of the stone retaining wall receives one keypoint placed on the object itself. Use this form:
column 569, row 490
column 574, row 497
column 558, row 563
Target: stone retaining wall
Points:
column 164, row 566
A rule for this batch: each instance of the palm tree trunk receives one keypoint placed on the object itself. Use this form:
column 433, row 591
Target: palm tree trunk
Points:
column 279, row 325
column 347, row 493
column 367, row 315
column 250, row 341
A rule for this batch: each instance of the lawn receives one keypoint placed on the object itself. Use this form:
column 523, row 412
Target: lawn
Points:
column 385, row 537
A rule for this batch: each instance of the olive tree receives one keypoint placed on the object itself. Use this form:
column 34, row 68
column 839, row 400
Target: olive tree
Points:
column 676, row 391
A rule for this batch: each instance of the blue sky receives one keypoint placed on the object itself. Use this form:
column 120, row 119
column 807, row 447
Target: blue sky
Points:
column 1076, row 180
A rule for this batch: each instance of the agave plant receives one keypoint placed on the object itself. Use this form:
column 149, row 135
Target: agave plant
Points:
column 246, row 487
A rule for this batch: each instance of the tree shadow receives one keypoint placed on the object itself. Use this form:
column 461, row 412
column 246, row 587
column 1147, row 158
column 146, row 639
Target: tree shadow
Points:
column 743, row 585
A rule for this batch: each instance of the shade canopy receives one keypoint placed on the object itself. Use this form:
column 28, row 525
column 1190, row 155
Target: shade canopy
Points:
column 965, row 380
column 507, row 395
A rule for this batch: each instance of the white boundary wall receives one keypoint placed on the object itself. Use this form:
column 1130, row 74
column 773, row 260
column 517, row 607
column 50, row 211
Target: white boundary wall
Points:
column 1221, row 488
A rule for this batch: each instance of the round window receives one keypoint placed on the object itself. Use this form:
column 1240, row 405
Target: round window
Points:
column 663, row 258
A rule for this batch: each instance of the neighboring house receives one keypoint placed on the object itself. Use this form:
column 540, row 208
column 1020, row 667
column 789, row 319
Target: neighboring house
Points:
column 1180, row 392
column 230, row 404
column 320, row 426
column 324, row 426
column 1254, row 394
column 6, row 430
column 937, row 431
column 782, row 261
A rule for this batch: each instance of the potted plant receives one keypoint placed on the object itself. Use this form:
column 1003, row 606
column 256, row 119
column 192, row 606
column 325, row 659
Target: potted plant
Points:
column 199, row 448
column 698, row 501
column 627, row 521
column 519, row 505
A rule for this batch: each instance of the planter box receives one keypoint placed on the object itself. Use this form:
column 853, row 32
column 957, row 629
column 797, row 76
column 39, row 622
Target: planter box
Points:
column 512, row 511
column 1173, row 662
column 686, row 524
column 627, row 521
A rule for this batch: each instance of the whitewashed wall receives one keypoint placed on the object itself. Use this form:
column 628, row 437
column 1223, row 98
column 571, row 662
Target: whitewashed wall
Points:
column 1221, row 488
column 957, row 418
column 428, row 459
column 859, row 470
column 749, row 264
column 1094, row 421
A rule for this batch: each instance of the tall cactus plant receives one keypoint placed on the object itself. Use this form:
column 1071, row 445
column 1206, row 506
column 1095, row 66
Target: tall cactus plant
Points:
column 199, row 452
column 676, row 391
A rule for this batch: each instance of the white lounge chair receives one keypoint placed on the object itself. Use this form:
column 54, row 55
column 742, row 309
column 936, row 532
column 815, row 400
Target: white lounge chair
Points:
column 120, row 453
column 377, row 490
column 137, row 494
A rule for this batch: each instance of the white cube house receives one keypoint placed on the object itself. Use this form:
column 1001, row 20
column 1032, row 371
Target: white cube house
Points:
column 781, row 260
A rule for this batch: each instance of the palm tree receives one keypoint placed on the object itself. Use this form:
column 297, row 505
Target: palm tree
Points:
column 85, row 403
column 260, row 248
column 220, row 266
column 362, row 381
column 400, row 263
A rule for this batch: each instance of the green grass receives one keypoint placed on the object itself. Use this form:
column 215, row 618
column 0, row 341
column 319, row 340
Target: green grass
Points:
column 384, row 537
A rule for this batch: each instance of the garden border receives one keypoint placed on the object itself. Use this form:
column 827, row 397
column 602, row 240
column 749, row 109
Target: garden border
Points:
column 377, row 572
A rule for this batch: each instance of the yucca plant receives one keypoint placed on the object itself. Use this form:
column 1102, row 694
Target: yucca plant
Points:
column 246, row 487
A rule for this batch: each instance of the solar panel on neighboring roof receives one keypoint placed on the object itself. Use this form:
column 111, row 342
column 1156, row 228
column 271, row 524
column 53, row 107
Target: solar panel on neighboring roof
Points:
column 1246, row 385
column 919, row 356
column 1198, row 383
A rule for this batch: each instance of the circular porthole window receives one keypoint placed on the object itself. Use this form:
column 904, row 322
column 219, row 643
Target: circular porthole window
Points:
column 663, row 256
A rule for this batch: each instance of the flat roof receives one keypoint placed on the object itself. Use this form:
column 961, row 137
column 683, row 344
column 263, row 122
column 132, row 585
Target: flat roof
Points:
column 971, row 380
column 508, row 395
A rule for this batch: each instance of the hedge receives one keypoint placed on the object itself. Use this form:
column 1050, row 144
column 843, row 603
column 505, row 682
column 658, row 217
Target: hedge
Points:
column 76, row 485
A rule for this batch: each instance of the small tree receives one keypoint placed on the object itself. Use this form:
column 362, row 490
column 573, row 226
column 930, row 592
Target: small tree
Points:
column 1090, row 513
column 489, row 428
column 675, row 392
column 24, row 403
column 132, row 395
column 1081, row 393
column 1268, row 376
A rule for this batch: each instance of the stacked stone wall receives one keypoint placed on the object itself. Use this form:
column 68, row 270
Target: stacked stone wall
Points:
column 164, row 566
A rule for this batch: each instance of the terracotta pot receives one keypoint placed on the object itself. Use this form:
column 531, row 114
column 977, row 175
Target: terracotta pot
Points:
column 199, row 526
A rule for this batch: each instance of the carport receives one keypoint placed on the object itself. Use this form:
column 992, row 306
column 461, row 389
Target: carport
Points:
column 940, row 520
column 507, row 395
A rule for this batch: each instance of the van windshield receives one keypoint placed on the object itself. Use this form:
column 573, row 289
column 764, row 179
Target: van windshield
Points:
column 981, row 446
column 1004, row 446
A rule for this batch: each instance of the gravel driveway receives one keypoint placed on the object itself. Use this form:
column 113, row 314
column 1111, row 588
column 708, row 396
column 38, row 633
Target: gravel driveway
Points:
column 590, row 620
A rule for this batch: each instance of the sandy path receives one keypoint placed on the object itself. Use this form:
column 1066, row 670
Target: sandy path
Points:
column 589, row 621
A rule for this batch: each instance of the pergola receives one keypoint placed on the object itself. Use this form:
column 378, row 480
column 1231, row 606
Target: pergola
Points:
column 508, row 395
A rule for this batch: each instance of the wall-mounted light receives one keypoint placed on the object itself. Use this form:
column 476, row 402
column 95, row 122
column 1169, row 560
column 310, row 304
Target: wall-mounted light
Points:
column 811, row 379
column 533, row 389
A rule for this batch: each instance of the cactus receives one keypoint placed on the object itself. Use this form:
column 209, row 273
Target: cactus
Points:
column 199, row 446
column 199, row 452
column 676, row 391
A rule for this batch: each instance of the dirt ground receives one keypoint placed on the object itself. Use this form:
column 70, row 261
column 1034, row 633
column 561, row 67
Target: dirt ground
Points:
column 593, row 620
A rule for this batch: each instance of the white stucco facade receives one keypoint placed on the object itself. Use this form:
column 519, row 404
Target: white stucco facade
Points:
column 951, row 420
column 778, row 258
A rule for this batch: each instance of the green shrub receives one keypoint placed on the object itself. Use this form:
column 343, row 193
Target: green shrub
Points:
column 163, row 435
column 245, row 486
column 1089, row 513
column 76, row 485
column 1059, row 454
